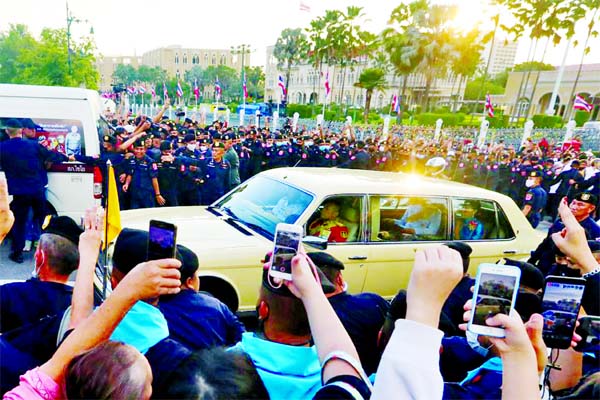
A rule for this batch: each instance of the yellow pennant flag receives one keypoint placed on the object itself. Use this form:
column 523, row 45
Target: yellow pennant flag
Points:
column 113, row 211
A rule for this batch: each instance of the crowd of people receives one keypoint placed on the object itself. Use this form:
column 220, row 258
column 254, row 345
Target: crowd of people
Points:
column 157, row 335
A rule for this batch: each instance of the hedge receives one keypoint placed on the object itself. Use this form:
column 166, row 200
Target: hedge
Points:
column 547, row 121
column 581, row 117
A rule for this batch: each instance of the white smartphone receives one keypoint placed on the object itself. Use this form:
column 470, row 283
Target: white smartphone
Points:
column 495, row 292
column 286, row 244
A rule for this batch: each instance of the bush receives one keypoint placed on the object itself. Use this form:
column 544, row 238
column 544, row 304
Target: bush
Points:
column 581, row 117
column 305, row 110
column 546, row 121
column 429, row 119
column 499, row 121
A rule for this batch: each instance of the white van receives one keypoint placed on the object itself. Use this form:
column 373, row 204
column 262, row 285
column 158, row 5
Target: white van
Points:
column 67, row 120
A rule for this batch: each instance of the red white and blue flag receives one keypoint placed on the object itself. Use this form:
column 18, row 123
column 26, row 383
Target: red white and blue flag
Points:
column 165, row 91
column 131, row 90
column 196, row 90
column 327, row 87
column 179, row 90
column 245, row 88
column 488, row 106
column 218, row 89
column 281, row 84
column 395, row 104
column 581, row 104
column 141, row 89
column 153, row 91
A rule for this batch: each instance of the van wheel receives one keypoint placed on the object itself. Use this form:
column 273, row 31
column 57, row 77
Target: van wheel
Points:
column 221, row 290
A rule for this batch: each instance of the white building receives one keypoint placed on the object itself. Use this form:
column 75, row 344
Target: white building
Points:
column 306, row 85
column 503, row 56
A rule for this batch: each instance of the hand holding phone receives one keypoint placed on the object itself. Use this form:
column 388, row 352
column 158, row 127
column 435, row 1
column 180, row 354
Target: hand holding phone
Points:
column 495, row 293
column 161, row 240
column 286, row 245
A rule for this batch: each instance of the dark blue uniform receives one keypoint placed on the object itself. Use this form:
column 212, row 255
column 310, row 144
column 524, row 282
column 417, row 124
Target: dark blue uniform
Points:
column 216, row 180
column 536, row 197
column 168, row 177
column 279, row 156
column 24, row 163
column 199, row 321
column 358, row 160
column 142, row 171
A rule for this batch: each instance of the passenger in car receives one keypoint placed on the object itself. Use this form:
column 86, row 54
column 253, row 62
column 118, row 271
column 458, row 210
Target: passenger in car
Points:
column 329, row 226
column 420, row 219
column 472, row 228
column 351, row 218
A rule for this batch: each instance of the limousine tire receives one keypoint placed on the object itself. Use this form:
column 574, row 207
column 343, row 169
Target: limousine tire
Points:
column 221, row 290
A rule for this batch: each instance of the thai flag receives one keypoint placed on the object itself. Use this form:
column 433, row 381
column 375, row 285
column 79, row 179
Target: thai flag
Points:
column 153, row 91
column 131, row 90
column 581, row 104
column 179, row 90
column 196, row 90
column 218, row 89
column 304, row 7
column 281, row 84
column 488, row 106
column 245, row 88
column 141, row 89
column 327, row 87
column 165, row 91
column 395, row 104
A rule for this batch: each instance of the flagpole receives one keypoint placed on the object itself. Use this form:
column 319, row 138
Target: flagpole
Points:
column 105, row 266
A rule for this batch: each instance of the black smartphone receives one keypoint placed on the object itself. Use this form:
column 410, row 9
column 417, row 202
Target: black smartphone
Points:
column 589, row 330
column 560, row 304
column 162, row 240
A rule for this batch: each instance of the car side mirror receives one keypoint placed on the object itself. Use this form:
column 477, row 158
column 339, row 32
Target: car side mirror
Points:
column 315, row 241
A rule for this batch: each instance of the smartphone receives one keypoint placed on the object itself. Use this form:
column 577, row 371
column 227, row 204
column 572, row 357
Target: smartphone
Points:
column 286, row 244
column 495, row 292
column 560, row 305
column 589, row 330
column 162, row 240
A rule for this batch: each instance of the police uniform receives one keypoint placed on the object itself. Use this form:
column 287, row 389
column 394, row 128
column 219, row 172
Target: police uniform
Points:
column 168, row 174
column 142, row 172
column 216, row 179
column 232, row 157
column 536, row 197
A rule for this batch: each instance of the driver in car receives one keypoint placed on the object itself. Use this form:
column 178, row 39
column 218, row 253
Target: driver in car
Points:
column 329, row 226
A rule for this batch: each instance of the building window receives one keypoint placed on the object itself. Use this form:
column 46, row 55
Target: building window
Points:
column 214, row 60
column 184, row 58
column 176, row 58
column 205, row 58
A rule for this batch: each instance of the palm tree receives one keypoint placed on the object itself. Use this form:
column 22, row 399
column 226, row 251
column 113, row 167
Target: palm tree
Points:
column 290, row 49
column 467, row 57
column 370, row 79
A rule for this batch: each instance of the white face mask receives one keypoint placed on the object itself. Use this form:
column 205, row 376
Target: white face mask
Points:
column 381, row 148
column 529, row 182
column 203, row 148
column 191, row 147
column 474, row 344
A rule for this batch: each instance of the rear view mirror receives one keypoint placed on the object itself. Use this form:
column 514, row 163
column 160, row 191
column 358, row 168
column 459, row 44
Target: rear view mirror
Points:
column 315, row 241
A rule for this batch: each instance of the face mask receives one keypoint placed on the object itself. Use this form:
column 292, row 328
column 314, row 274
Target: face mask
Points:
column 191, row 147
column 203, row 148
column 529, row 183
column 381, row 148
column 308, row 143
column 324, row 148
column 279, row 144
column 333, row 142
column 474, row 344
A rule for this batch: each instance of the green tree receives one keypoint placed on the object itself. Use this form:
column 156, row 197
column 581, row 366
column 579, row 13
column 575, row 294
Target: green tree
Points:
column 45, row 61
column 472, row 90
column 153, row 75
column 125, row 74
column 370, row 79
column 229, row 80
column 466, row 58
column 290, row 49
column 532, row 66
column 255, row 82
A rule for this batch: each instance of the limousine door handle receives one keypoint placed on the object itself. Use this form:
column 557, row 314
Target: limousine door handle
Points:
column 510, row 252
column 357, row 258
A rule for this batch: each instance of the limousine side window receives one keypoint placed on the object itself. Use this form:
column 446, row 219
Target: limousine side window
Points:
column 338, row 219
column 476, row 219
column 402, row 218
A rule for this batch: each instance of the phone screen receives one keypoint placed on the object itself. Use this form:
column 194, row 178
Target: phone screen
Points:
column 494, row 296
column 161, row 241
column 561, row 305
column 287, row 243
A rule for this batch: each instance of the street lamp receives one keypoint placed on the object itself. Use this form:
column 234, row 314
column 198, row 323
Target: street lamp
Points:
column 242, row 50
column 70, row 20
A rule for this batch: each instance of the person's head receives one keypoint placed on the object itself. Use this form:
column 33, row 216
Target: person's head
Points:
column 112, row 370
column 532, row 279
column 469, row 208
column 189, row 269
column 228, row 140
column 215, row 373
column 166, row 148
column 330, row 210
column 139, row 149
column 594, row 246
column 583, row 205
column 465, row 253
column 534, row 179
column 282, row 317
column 57, row 254
column 108, row 143
column 14, row 128
column 218, row 149
column 331, row 268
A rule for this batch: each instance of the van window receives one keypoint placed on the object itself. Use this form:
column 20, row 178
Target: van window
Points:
column 65, row 136
column 476, row 219
column 402, row 218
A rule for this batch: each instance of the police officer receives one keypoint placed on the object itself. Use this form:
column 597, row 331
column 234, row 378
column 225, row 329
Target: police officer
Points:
column 233, row 159
column 169, row 169
column 280, row 156
column 142, row 179
column 535, row 198
column 216, row 177
column 358, row 160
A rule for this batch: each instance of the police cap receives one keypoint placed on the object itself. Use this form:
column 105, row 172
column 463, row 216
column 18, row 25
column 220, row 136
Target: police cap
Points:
column 109, row 139
column 325, row 260
column 131, row 249
column 535, row 174
column 62, row 226
column 587, row 197
column 139, row 143
column 218, row 145
column 166, row 145
column 190, row 137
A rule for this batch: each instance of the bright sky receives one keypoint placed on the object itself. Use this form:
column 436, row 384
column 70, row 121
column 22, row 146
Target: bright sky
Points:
column 127, row 27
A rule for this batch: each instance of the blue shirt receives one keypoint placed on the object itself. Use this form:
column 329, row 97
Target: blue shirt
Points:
column 143, row 327
column 472, row 229
column 288, row 372
column 199, row 321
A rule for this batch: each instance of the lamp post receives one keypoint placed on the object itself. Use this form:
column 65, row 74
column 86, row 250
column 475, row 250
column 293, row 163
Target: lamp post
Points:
column 70, row 20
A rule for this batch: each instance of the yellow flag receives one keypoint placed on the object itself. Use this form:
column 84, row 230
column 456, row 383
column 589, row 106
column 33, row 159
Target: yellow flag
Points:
column 113, row 210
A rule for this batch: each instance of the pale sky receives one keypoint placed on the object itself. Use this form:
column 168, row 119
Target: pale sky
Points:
column 128, row 27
